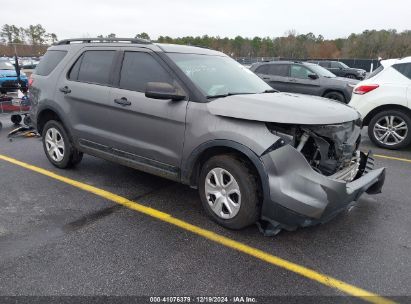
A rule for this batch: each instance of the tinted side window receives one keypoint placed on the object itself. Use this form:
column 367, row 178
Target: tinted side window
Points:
column 298, row 71
column 263, row 69
column 325, row 64
column 335, row 65
column 138, row 69
column 404, row 68
column 278, row 70
column 95, row 67
column 49, row 62
column 75, row 69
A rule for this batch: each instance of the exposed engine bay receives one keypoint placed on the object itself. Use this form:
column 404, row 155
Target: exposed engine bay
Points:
column 330, row 150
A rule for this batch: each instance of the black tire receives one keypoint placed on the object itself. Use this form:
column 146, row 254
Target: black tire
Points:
column 335, row 96
column 27, row 120
column 16, row 119
column 71, row 156
column 249, row 207
column 388, row 113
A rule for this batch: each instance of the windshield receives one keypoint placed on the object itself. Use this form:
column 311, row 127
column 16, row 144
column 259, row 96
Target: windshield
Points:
column 319, row 70
column 5, row 65
column 218, row 76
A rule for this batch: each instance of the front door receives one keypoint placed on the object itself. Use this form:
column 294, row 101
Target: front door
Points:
column 147, row 130
column 300, row 81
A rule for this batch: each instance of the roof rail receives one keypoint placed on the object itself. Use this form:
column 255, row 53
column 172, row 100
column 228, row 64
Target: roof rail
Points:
column 103, row 40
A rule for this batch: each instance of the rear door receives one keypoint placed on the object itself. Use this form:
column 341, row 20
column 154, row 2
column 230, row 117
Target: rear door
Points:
column 300, row 82
column 276, row 75
column 147, row 130
column 84, row 92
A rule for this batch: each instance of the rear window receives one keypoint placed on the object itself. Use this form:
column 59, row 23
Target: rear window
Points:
column 263, row 69
column 324, row 64
column 93, row 67
column 376, row 71
column 404, row 69
column 278, row 70
column 49, row 62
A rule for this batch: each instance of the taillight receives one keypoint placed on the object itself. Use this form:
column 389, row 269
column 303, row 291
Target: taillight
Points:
column 30, row 81
column 363, row 89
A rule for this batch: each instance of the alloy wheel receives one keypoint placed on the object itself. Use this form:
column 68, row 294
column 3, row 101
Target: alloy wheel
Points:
column 390, row 130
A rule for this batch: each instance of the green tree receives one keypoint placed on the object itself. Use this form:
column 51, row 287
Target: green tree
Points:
column 36, row 34
column 143, row 35
column 7, row 33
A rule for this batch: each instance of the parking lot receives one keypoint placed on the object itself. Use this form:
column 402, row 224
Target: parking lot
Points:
column 60, row 234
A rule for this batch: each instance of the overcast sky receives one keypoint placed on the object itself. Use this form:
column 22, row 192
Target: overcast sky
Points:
column 176, row 18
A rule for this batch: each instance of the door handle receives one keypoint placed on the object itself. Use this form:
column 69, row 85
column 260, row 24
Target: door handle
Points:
column 122, row 101
column 65, row 90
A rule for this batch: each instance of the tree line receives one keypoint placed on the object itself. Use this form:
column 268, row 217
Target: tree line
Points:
column 33, row 34
column 369, row 44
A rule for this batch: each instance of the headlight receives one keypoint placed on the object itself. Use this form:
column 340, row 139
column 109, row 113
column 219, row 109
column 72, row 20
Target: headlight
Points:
column 284, row 132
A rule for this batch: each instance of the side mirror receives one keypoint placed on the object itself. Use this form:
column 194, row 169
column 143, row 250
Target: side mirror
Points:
column 313, row 76
column 163, row 90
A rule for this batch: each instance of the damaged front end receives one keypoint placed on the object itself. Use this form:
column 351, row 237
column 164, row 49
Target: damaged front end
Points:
column 314, row 172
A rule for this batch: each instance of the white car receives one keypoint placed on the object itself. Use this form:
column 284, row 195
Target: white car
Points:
column 384, row 102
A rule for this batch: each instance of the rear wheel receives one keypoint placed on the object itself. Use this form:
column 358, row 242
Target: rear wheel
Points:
column 335, row 96
column 58, row 147
column 390, row 129
column 229, row 192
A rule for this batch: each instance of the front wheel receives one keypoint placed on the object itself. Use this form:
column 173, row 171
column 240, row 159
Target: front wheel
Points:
column 335, row 96
column 229, row 191
column 390, row 129
column 58, row 147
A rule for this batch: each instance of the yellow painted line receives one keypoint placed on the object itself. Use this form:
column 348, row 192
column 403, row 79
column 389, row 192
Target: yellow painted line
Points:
column 227, row 242
column 393, row 158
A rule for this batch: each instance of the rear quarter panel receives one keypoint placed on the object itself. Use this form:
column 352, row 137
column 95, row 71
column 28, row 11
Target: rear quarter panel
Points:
column 392, row 89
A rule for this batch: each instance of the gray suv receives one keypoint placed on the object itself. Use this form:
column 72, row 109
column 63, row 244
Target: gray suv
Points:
column 304, row 78
column 198, row 117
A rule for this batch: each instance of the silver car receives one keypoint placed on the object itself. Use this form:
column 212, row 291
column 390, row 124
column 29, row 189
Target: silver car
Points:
column 198, row 117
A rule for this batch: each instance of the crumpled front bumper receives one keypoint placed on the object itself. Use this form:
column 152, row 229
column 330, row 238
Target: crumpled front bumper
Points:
column 300, row 196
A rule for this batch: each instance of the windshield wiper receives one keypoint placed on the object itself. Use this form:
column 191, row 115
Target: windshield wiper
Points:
column 227, row 94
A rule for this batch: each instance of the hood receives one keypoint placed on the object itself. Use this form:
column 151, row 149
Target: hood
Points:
column 283, row 108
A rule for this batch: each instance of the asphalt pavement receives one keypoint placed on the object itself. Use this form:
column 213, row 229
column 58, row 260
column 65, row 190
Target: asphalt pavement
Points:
column 56, row 239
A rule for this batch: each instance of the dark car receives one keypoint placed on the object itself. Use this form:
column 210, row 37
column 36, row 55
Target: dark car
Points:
column 304, row 78
column 341, row 69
